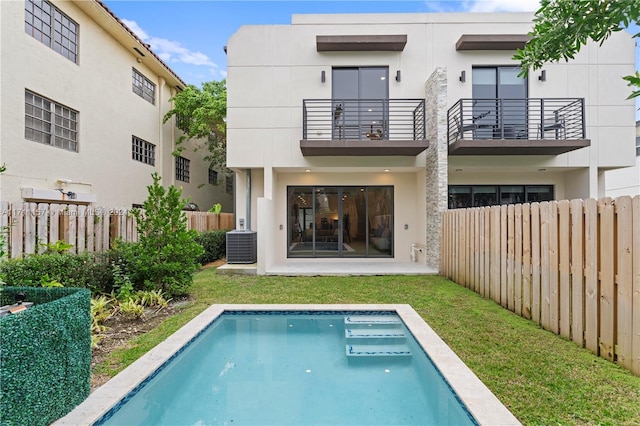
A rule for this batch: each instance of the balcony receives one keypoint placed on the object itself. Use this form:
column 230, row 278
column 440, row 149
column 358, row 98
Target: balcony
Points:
column 363, row 127
column 533, row 126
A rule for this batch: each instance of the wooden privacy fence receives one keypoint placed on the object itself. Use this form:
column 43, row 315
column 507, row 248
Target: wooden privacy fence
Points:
column 30, row 226
column 571, row 266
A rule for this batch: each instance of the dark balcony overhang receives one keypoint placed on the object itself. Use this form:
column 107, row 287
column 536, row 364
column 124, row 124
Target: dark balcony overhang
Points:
column 492, row 41
column 361, row 43
column 362, row 148
column 516, row 146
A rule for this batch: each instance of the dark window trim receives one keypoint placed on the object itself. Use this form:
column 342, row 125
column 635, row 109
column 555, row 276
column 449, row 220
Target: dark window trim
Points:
column 143, row 151
column 57, row 37
column 60, row 129
column 143, row 87
column 498, row 193
column 182, row 169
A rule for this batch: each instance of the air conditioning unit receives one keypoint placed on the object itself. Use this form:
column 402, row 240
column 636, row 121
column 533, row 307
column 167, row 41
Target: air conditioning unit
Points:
column 242, row 246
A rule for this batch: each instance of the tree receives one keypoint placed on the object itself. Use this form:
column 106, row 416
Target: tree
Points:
column 165, row 257
column 201, row 114
column 562, row 27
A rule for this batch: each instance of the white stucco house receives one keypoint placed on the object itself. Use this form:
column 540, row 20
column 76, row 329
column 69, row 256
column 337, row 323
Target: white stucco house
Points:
column 626, row 180
column 349, row 134
column 82, row 105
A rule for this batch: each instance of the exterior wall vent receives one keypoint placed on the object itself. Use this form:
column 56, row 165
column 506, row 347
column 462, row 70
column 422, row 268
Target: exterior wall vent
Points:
column 242, row 246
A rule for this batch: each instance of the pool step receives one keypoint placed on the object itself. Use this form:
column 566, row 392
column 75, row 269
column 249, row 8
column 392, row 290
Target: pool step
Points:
column 374, row 333
column 377, row 350
column 371, row 319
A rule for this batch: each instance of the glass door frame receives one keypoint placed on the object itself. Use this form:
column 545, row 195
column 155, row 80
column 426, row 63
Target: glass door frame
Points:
column 367, row 242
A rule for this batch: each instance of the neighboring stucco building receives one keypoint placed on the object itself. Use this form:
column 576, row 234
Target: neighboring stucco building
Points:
column 82, row 104
column 626, row 181
column 350, row 133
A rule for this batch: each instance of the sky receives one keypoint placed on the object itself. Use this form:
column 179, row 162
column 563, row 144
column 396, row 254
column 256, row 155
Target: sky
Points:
column 190, row 35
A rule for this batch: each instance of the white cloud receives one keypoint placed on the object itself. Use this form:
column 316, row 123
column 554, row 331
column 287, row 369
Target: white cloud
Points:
column 133, row 26
column 172, row 51
column 502, row 5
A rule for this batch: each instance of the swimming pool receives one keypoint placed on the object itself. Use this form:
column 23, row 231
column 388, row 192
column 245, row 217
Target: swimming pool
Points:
column 397, row 383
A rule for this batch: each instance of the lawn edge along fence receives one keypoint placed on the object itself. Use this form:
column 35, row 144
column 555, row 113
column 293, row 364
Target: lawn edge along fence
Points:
column 45, row 354
column 571, row 266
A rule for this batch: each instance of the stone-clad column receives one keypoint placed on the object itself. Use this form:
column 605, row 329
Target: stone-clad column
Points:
column 436, row 161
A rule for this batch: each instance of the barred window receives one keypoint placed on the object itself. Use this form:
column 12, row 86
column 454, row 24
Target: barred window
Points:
column 143, row 151
column 213, row 177
column 143, row 87
column 182, row 169
column 229, row 185
column 47, row 24
column 50, row 123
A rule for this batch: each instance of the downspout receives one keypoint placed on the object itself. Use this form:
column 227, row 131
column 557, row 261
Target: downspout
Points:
column 248, row 195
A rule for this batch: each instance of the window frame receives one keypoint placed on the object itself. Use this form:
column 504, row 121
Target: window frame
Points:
column 473, row 195
column 62, row 33
column 143, row 87
column 213, row 177
column 143, row 151
column 59, row 123
column 182, row 169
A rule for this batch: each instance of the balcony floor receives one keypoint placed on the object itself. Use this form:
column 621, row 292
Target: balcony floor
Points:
column 365, row 147
column 516, row 146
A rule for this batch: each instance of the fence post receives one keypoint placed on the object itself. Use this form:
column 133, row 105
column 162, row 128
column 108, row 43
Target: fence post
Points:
column 607, row 279
column 592, row 295
column 577, row 272
column 635, row 300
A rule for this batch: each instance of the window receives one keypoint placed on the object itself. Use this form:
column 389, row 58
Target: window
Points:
column 340, row 221
column 213, row 177
column 182, row 169
column 50, row 123
column 511, row 113
column 47, row 24
column 143, row 87
column 143, row 151
column 229, row 185
column 463, row 196
column 360, row 98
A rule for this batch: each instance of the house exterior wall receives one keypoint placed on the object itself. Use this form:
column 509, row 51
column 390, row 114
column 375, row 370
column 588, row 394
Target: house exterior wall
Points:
column 99, row 87
column 626, row 180
column 273, row 68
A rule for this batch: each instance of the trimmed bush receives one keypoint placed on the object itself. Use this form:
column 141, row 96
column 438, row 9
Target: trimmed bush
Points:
column 72, row 270
column 46, row 355
column 214, row 244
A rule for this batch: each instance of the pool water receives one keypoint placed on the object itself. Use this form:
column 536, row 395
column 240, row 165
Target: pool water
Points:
column 295, row 368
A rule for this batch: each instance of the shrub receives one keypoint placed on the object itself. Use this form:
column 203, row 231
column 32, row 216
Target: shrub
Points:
column 214, row 244
column 71, row 270
column 167, row 251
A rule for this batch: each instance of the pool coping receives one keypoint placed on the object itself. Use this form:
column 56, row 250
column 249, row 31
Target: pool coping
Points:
column 479, row 400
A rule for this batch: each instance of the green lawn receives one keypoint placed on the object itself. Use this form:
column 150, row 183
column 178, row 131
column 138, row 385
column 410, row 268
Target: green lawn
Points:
column 542, row 378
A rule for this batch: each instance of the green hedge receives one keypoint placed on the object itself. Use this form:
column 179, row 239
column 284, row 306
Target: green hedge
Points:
column 214, row 244
column 45, row 355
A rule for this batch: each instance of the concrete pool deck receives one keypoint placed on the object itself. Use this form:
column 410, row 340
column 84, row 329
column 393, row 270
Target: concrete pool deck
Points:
column 479, row 400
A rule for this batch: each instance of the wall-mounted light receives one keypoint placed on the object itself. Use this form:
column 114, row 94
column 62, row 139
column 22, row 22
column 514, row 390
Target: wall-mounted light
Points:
column 543, row 76
column 398, row 77
column 463, row 76
column 323, row 76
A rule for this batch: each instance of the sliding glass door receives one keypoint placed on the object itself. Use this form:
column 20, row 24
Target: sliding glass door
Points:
column 506, row 118
column 340, row 221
